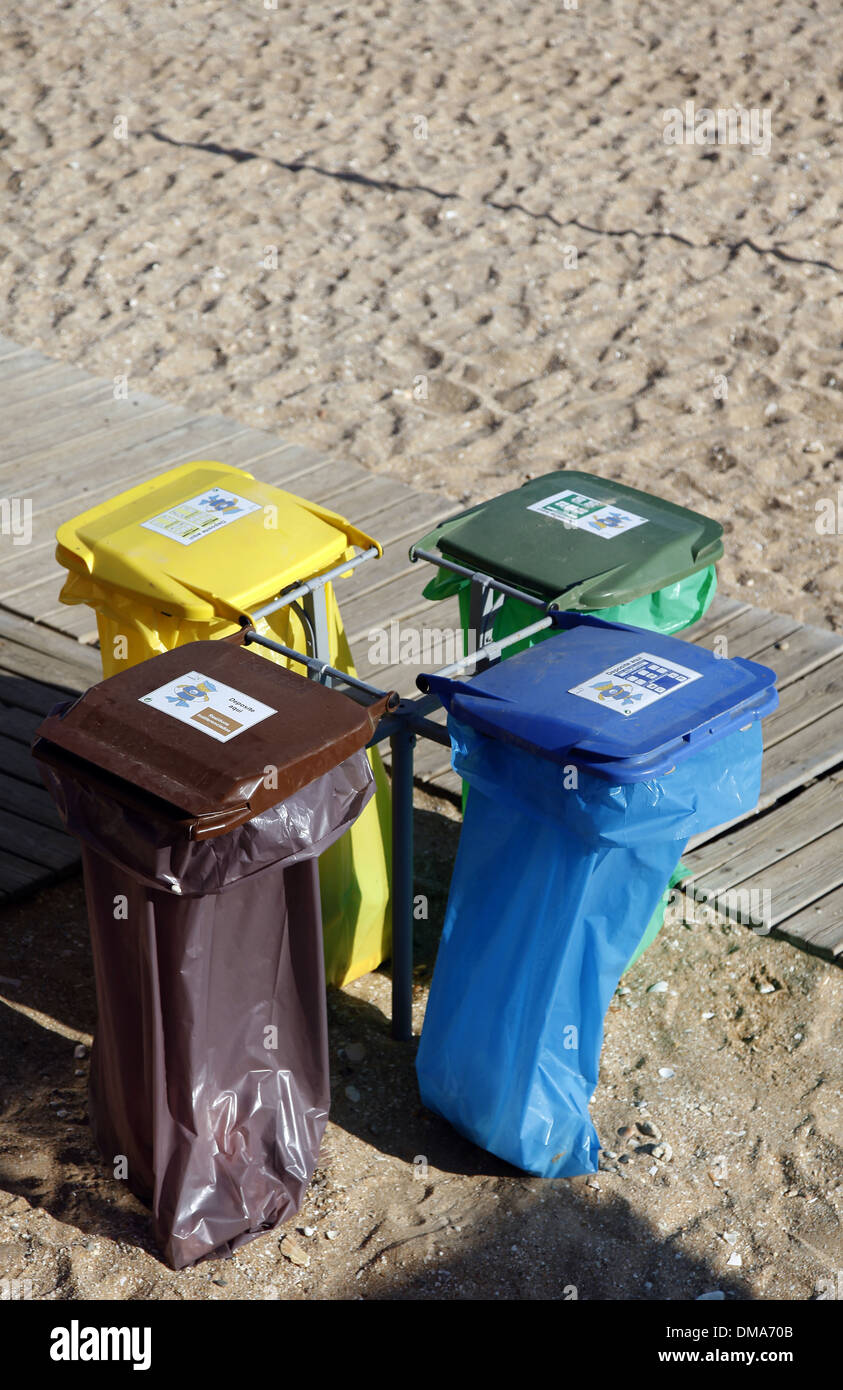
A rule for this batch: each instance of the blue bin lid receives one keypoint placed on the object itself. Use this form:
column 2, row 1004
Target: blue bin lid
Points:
column 621, row 701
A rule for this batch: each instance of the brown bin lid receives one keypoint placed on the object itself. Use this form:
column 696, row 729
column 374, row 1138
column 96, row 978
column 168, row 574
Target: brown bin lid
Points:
column 197, row 728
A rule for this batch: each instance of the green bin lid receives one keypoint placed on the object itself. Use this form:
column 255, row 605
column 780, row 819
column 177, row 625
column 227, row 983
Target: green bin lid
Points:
column 584, row 541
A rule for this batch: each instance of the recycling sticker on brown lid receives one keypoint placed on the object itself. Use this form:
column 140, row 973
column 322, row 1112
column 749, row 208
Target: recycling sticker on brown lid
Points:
column 199, row 728
column 211, row 706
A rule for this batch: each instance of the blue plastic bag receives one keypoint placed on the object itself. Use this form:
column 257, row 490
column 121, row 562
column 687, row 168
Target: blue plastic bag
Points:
column 557, row 875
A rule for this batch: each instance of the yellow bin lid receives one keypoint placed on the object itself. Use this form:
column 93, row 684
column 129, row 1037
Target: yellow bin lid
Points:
column 205, row 540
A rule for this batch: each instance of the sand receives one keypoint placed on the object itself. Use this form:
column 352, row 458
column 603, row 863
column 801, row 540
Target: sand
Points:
column 449, row 242
column 401, row 1207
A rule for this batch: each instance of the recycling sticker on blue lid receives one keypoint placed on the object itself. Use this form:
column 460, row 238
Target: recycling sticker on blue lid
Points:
column 633, row 684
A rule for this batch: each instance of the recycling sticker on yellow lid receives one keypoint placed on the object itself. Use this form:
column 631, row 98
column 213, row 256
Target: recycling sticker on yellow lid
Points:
column 200, row 516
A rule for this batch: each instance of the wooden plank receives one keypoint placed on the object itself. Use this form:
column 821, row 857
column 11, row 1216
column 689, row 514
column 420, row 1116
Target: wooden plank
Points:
column 402, row 600
column 96, row 478
column 819, row 926
column 34, row 803
column 748, row 633
column 251, row 450
column 371, row 495
column 804, row 701
column 393, row 506
column 720, row 612
column 403, row 530
column 255, row 451
column 802, row 652
column 795, row 880
column 791, row 764
column 337, row 484
column 61, row 461
column 802, row 756
column 31, row 564
column 29, row 634
column 61, row 407
column 299, row 463
column 51, row 425
column 32, row 637
column 751, row 847
column 17, row 875
column 431, row 761
column 26, row 372
column 28, row 694
column 51, row 394
column 400, row 677
column 51, row 849
column 401, row 674
column 24, row 389
column 794, row 752
column 406, row 519
column 31, row 376
column 9, row 348
column 40, row 666
column 393, row 564
column 443, row 783
column 76, row 622
column 429, row 633
column 28, row 576
column 17, row 761
column 19, row 724
column 132, row 454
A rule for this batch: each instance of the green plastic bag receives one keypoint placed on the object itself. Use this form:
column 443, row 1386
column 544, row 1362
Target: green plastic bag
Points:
column 656, row 922
column 668, row 610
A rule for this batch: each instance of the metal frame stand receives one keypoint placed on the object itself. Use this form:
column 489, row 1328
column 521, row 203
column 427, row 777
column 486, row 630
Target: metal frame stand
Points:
column 405, row 721
column 402, row 743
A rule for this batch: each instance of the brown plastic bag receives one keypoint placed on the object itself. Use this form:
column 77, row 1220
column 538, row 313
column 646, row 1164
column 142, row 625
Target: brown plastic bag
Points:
column 209, row 1081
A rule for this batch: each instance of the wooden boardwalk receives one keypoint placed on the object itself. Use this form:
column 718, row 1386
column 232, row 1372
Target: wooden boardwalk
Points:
column 67, row 444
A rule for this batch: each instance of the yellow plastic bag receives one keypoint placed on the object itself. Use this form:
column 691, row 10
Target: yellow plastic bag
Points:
column 182, row 558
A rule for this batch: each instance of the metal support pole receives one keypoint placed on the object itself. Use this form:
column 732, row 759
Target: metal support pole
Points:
column 319, row 670
column 308, row 587
column 406, row 719
column 402, row 743
column 478, row 577
column 410, row 714
column 315, row 604
column 483, row 604
column 491, row 652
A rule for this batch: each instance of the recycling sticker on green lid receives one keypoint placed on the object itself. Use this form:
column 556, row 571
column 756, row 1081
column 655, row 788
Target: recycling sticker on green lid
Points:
column 587, row 514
